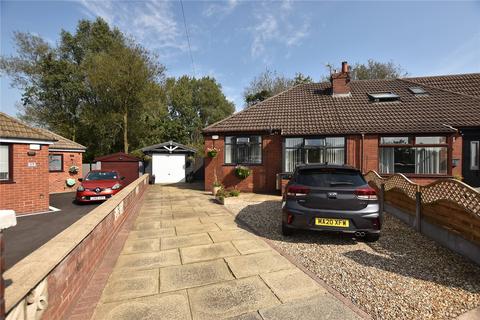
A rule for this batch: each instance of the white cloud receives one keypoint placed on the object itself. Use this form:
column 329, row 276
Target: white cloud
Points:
column 150, row 22
column 276, row 24
column 220, row 9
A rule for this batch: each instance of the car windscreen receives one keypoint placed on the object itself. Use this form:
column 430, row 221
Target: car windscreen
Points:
column 325, row 177
column 101, row 176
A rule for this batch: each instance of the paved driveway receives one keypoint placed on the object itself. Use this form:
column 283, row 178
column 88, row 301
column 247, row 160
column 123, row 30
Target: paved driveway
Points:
column 187, row 258
column 31, row 232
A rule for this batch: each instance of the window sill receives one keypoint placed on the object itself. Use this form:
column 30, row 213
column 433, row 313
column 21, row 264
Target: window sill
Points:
column 242, row 164
column 52, row 171
column 7, row 182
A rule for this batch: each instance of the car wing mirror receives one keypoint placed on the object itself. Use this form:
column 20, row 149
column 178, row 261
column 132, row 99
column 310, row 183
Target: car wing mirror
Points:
column 80, row 179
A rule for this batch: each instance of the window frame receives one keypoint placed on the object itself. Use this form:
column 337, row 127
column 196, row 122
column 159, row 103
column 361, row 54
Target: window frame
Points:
column 477, row 148
column 62, row 166
column 234, row 149
column 413, row 144
column 10, row 164
column 324, row 147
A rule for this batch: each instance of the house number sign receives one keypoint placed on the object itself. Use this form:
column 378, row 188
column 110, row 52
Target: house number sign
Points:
column 32, row 164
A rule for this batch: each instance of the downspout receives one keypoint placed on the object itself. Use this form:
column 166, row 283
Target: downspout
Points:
column 361, row 153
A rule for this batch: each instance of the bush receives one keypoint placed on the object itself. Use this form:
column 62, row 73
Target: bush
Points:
column 212, row 153
column 242, row 172
column 217, row 184
column 234, row 193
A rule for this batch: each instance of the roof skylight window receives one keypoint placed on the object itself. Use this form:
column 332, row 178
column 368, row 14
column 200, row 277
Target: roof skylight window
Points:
column 383, row 96
column 418, row 91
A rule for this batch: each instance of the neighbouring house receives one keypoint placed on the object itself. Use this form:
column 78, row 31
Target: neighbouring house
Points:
column 171, row 162
column 126, row 165
column 64, row 163
column 24, row 174
column 408, row 126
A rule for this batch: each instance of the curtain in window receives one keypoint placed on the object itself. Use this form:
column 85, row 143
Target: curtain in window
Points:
column 228, row 153
column 431, row 160
column 293, row 157
column 387, row 160
column 335, row 155
column 4, row 163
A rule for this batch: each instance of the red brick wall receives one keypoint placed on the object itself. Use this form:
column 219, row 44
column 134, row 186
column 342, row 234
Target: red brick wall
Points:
column 370, row 153
column 457, row 153
column 263, row 177
column 72, row 274
column 29, row 191
column 57, row 180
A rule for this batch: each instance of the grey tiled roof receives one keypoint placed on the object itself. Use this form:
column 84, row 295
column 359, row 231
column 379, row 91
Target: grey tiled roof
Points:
column 310, row 109
column 468, row 84
column 15, row 129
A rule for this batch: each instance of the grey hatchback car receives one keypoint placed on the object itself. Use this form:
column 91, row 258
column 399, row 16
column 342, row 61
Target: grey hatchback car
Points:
column 331, row 198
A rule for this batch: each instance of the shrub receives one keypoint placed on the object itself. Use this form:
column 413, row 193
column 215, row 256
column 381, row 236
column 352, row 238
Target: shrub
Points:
column 217, row 184
column 242, row 172
column 234, row 193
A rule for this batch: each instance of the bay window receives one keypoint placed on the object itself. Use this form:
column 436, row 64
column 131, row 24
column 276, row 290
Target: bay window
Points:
column 313, row 150
column 5, row 163
column 413, row 155
column 243, row 150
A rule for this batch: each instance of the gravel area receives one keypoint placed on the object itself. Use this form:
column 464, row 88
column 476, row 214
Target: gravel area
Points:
column 404, row 275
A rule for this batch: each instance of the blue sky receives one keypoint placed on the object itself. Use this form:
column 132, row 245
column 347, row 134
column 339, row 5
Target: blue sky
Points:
column 236, row 40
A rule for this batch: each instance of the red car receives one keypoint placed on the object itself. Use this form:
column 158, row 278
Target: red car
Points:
column 99, row 185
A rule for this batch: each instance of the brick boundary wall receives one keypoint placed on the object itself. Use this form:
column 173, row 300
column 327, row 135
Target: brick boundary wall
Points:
column 49, row 281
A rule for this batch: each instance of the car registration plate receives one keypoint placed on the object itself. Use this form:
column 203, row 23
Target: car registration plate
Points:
column 329, row 222
column 98, row 198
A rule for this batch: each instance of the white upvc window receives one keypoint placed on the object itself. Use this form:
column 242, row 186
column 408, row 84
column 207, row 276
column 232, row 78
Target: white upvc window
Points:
column 474, row 155
column 5, row 163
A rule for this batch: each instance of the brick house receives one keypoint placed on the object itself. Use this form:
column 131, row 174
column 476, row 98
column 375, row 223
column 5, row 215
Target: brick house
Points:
column 408, row 126
column 62, row 155
column 24, row 172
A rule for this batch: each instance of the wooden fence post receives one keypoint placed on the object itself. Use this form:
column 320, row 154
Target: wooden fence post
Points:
column 418, row 209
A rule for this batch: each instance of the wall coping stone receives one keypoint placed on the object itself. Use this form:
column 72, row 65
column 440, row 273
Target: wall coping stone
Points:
column 31, row 270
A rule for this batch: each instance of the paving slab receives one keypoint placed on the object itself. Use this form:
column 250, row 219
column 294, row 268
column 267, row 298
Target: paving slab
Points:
column 292, row 284
column 194, row 275
column 317, row 308
column 195, row 228
column 147, row 225
column 171, row 306
column 257, row 263
column 180, row 222
column 247, row 316
column 137, row 246
column 128, row 285
column 207, row 252
column 232, row 298
column 228, row 235
column 149, row 260
column 149, row 234
column 185, row 241
column 249, row 246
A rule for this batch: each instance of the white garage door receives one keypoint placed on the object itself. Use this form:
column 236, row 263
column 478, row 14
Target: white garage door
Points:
column 168, row 168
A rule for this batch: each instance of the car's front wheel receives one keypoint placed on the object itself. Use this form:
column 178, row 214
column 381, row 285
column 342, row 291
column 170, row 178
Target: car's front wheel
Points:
column 286, row 231
column 372, row 237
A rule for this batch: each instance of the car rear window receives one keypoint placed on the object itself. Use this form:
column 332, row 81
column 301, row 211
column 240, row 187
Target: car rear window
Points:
column 330, row 178
column 101, row 176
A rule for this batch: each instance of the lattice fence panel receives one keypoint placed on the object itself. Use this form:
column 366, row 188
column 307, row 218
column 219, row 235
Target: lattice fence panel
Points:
column 455, row 191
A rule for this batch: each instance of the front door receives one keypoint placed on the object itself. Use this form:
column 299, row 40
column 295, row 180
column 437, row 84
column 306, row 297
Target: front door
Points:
column 168, row 168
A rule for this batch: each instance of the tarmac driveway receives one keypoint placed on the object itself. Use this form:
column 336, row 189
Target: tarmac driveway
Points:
column 31, row 232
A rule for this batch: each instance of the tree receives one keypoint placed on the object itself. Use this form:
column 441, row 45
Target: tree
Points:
column 121, row 78
column 194, row 104
column 377, row 70
column 270, row 83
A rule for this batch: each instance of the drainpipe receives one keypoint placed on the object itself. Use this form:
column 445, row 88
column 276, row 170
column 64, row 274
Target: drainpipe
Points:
column 361, row 153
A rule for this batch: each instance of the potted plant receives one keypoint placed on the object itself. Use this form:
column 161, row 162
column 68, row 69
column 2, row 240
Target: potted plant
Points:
column 212, row 152
column 221, row 195
column 73, row 170
column 216, row 187
column 242, row 172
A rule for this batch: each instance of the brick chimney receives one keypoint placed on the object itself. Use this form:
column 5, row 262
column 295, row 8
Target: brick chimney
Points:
column 341, row 81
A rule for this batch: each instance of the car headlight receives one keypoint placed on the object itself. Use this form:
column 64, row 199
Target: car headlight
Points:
column 80, row 188
column 116, row 186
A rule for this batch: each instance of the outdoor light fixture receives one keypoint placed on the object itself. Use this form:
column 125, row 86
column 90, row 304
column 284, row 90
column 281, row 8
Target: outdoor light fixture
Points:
column 214, row 137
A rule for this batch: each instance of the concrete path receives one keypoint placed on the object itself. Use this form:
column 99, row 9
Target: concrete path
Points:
column 186, row 258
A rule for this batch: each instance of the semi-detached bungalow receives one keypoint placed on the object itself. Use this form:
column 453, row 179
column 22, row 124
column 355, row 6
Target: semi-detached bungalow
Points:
column 33, row 163
column 425, row 128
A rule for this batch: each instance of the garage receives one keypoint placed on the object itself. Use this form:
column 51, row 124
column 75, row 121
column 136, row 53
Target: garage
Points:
column 171, row 162
column 126, row 165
